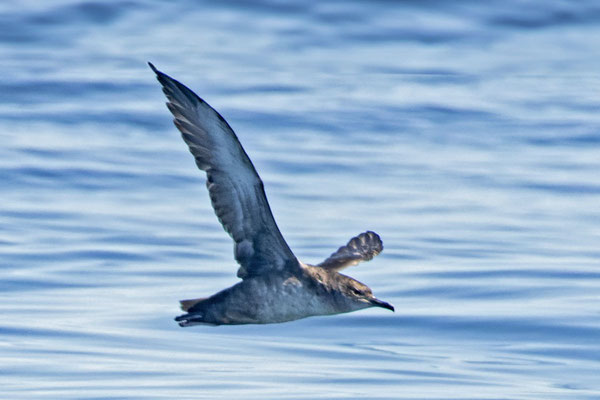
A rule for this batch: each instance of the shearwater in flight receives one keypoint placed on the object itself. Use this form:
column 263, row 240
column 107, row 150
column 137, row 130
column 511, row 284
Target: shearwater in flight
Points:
column 275, row 286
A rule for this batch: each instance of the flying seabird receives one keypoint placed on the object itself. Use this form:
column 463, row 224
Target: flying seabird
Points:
column 275, row 286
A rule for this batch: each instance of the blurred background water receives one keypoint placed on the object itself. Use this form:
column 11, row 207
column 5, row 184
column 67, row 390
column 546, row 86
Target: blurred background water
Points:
column 467, row 134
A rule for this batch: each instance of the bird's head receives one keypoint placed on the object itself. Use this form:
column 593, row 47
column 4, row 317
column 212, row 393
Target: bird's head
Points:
column 361, row 295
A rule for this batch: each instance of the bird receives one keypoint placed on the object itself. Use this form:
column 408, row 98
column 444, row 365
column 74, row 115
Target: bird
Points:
column 275, row 286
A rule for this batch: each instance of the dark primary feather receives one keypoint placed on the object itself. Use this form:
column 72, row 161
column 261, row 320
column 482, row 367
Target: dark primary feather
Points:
column 360, row 248
column 236, row 191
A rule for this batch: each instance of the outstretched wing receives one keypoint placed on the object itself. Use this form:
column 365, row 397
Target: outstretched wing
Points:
column 236, row 191
column 360, row 248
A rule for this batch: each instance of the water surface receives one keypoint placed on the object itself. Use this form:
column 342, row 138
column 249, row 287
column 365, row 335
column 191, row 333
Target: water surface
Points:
column 466, row 134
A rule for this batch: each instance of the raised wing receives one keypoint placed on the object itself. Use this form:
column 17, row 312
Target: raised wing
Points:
column 236, row 191
column 360, row 248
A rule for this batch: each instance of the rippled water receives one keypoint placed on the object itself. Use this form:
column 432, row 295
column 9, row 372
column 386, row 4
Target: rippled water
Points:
column 467, row 134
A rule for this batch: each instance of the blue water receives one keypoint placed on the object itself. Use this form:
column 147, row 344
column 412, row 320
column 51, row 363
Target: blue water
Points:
column 467, row 134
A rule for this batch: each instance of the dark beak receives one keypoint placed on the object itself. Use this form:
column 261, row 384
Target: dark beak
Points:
column 382, row 304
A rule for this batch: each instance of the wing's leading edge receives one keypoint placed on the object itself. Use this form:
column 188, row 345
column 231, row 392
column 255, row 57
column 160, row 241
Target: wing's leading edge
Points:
column 236, row 191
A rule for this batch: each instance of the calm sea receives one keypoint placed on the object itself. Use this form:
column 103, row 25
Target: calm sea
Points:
column 466, row 133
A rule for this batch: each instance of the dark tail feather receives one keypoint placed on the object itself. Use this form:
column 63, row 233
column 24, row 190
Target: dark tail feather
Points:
column 195, row 315
column 191, row 320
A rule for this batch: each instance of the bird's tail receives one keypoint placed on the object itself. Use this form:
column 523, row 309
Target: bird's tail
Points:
column 195, row 313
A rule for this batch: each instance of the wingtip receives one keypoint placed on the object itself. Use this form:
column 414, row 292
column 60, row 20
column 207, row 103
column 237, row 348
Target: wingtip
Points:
column 160, row 76
column 153, row 68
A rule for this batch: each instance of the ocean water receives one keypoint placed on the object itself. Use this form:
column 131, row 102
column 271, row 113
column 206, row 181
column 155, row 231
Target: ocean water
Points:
column 467, row 134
